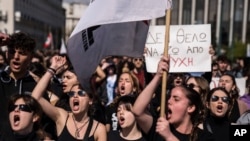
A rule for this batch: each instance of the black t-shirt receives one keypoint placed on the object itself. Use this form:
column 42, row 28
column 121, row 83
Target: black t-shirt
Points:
column 153, row 136
column 111, row 117
column 115, row 136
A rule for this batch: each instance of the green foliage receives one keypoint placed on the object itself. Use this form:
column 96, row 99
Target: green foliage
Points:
column 238, row 49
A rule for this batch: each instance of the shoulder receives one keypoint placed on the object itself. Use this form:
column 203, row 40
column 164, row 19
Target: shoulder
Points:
column 242, row 106
column 99, row 130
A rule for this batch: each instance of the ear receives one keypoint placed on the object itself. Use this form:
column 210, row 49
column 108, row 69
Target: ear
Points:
column 6, row 55
column 90, row 102
column 233, row 88
column 191, row 109
column 134, row 89
column 35, row 118
column 207, row 105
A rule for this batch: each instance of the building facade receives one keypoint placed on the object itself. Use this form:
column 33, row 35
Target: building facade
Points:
column 229, row 19
column 35, row 17
column 74, row 11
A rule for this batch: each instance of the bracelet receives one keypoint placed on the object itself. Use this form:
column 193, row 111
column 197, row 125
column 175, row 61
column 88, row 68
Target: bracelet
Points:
column 53, row 70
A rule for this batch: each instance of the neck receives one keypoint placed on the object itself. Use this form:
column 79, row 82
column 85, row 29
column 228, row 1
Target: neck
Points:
column 17, row 76
column 184, row 127
column 131, row 133
column 80, row 118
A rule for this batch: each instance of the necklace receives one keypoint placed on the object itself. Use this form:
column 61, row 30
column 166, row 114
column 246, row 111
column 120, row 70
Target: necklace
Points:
column 77, row 132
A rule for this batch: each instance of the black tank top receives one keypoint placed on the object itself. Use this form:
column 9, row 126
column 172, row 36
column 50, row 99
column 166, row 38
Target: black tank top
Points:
column 66, row 136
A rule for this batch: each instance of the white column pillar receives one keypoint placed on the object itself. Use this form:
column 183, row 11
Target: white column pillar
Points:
column 206, row 5
column 218, row 24
column 193, row 10
column 180, row 12
column 244, row 26
column 231, row 23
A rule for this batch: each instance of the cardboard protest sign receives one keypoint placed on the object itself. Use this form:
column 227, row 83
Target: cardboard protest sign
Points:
column 188, row 48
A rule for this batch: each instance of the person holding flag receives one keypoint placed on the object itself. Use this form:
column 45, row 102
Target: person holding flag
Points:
column 182, row 117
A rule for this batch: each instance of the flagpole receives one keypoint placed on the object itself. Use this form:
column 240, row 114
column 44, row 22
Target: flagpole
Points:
column 164, row 78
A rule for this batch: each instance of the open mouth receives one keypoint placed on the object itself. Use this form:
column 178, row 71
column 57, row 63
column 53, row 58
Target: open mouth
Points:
column 75, row 104
column 122, row 87
column 169, row 112
column 121, row 120
column 16, row 119
column 219, row 108
column 16, row 65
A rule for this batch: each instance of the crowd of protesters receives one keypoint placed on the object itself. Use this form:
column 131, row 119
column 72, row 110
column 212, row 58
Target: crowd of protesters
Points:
column 41, row 98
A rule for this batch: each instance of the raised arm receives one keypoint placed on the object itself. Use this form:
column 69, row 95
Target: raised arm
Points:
column 3, row 39
column 144, row 118
column 37, row 93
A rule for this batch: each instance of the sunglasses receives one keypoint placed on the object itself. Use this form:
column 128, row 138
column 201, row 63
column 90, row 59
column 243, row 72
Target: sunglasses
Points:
column 138, row 59
column 21, row 107
column 224, row 99
column 80, row 93
column 192, row 86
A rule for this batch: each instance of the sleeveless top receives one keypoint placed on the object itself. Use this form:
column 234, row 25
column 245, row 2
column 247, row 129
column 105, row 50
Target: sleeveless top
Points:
column 66, row 136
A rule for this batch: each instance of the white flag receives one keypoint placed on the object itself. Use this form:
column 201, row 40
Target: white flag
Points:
column 102, row 12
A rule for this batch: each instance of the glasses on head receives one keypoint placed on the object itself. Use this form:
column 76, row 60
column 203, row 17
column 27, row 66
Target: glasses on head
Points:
column 138, row 59
column 224, row 99
column 21, row 107
column 80, row 93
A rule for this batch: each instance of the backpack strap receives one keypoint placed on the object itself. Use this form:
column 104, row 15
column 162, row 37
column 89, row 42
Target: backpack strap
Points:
column 88, row 130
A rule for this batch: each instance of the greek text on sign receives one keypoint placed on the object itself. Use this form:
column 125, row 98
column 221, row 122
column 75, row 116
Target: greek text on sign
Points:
column 188, row 48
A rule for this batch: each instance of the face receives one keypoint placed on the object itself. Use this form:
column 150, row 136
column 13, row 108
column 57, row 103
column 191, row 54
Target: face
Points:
column 79, row 100
column 222, row 66
column 125, row 117
column 125, row 84
column 218, row 104
column 227, row 83
column 1, row 60
column 214, row 70
column 19, row 60
column 194, row 84
column 138, row 62
column 68, row 80
column 178, row 79
column 178, row 107
column 21, row 121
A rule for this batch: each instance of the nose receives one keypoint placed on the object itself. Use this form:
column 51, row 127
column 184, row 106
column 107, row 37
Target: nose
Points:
column 16, row 55
column 17, row 109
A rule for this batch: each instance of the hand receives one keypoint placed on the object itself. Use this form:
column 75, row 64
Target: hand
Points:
column 4, row 38
column 57, row 62
column 163, row 129
column 211, row 51
column 163, row 65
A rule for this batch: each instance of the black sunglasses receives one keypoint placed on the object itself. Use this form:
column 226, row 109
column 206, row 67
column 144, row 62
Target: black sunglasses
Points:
column 138, row 59
column 224, row 99
column 21, row 107
column 80, row 93
column 192, row 85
